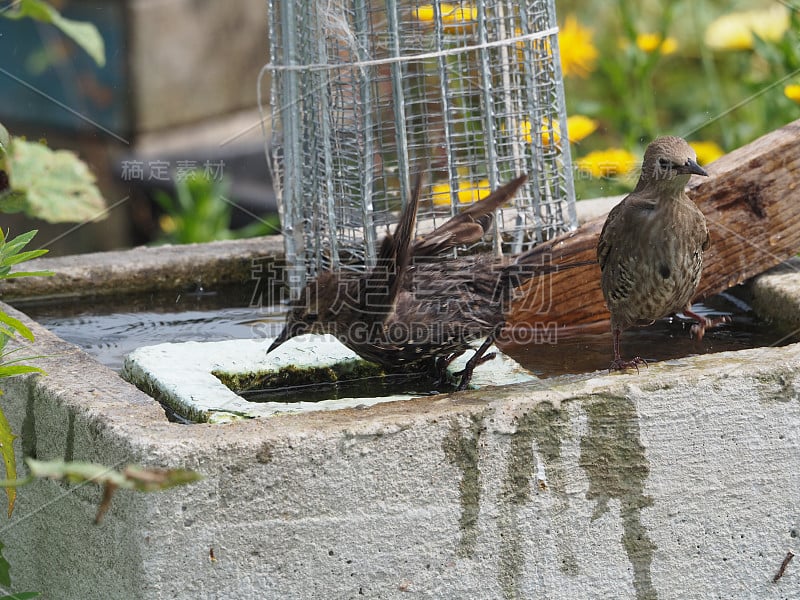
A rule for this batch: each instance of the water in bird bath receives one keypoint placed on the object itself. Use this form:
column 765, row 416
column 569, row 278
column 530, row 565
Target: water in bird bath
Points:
column 110, row 328
column 666, row 339
column 368, row 386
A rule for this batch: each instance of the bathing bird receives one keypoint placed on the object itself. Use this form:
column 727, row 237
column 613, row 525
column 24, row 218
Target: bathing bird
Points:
column 651, row 246
column 419, row 309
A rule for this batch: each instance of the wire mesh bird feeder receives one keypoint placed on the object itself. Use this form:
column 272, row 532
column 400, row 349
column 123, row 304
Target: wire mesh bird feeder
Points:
column 367, row 93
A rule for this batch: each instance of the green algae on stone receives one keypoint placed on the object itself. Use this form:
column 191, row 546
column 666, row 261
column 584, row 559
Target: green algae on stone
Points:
column 461, row 447
column 291, row 375
column 614, row 460
column 542, row 427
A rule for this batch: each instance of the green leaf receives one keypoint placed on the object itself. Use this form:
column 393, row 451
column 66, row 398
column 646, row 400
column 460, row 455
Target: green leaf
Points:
column 15, row 483
column 132, row 477
column 13, row 202
column 11, row 370
column 16, row 325
column 84, row 34
column 164, row 200
column 151, row 480
column 19, row 242
column 74, row 472
column 58, row 186
column 28, row 274
column 23, row 256
column 7, row 450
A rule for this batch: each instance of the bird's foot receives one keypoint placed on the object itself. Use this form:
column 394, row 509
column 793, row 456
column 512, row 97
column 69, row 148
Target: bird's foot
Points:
column 486, row 358
column 466, row 377
column 442, row 363
column 619, row 364
column 478, row 359
column 698, row 330
column 466, row 372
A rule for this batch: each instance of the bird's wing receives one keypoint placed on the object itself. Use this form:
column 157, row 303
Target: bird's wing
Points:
column 605, row 243
column 469, row 225
column 705, row 235
column 450, row 293
column 395, row 245
column 632, row 208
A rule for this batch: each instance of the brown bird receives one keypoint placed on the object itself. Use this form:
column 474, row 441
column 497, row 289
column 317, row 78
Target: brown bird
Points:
column 419, row 310
column 651, row 246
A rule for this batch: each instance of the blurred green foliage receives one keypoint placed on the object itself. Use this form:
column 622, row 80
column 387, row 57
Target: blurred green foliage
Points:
column 714, row 72
column 200, row 212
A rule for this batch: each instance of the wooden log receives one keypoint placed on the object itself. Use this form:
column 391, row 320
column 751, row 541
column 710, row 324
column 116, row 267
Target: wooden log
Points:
column 751, row 201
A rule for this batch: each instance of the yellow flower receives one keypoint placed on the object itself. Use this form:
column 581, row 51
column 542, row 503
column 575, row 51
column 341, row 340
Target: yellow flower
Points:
column 578, row 54
column 440, row 194
column 167, row 224
column 607, row 163
column 580, row 127
column 468, row 192
column 650, row 42
column 545, row 130
column 549, row 132
column 455, row 19
column 525, row 130
column 460, row 19
column 539, row 47
column 792, row 92
column 707, row 152
column 734, row 31
column 425, row 13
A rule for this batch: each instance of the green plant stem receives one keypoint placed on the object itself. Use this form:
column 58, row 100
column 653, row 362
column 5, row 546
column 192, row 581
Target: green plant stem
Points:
column 5, row 483
column 712, row 80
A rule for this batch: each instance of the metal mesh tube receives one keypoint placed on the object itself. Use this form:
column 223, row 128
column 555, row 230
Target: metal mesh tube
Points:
column 370, row 92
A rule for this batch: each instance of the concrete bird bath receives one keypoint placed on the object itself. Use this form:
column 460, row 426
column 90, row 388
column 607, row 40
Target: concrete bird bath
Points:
column 680, row 481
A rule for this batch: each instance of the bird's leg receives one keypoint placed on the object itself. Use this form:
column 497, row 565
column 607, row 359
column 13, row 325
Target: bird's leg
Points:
column 478, row 359
column 703, row 323
column 620, row 365
column 442, row 363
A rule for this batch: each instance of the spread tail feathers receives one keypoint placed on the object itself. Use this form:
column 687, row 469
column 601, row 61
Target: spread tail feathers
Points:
column 394, row 255
column 535, row 262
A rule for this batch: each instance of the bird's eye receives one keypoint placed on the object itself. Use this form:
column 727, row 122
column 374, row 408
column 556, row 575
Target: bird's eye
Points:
column 664, row 163
column 310, row 317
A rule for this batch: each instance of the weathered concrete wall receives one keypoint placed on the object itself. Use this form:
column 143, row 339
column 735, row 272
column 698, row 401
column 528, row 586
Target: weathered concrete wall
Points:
column 148, row 269
column 679, row 482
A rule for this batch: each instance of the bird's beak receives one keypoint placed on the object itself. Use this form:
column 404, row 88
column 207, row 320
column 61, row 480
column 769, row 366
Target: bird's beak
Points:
column 694, row 169
column 291, row 330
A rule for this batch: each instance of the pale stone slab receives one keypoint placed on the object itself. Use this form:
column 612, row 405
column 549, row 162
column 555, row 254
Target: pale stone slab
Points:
column 181, row 375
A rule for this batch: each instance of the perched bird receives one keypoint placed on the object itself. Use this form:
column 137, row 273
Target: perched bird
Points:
column 651, row 246
column 418, row 309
